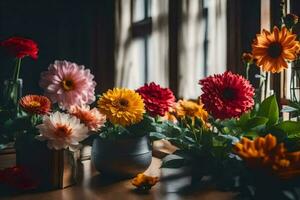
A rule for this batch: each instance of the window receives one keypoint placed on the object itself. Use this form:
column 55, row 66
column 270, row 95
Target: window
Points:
column 142, row 43
column 153, row 40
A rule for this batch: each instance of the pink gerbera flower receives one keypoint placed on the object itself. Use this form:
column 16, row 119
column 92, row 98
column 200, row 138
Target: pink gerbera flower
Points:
column 227, row 95
column 68, row 84
column 92, row 118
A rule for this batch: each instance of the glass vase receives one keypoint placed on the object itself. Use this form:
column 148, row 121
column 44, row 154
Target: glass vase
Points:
column 12, row 92
column 295, row 83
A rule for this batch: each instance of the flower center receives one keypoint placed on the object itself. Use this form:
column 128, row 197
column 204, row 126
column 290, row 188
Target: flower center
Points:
column 62, row 131
column 68, row 85
column 274, row 50
column 34, row 104
column 123, row 102
column 228, row 94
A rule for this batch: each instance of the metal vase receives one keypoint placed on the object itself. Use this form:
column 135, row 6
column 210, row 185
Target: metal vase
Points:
column 122, row 157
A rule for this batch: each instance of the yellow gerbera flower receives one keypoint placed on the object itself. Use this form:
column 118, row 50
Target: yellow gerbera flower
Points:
column 272, row 50
column 191, row 109
column 122, row 106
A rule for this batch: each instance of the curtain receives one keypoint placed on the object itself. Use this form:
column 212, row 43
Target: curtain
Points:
column 159, row 44
column 130, row 54
column 192, row 65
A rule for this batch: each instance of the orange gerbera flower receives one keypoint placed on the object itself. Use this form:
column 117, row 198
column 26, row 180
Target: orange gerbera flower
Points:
column 35, row 104
column 92, row 118
column 272, row 50
column 144, row 182
column 266, row 154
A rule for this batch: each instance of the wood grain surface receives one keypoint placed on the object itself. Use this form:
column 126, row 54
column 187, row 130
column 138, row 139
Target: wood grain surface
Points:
column 93, row 186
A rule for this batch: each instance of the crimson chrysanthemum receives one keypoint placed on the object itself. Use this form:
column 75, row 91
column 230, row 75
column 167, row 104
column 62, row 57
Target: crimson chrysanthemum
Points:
column 21, row 47
column 157, row 100
column 35, row 104
column 227, row 95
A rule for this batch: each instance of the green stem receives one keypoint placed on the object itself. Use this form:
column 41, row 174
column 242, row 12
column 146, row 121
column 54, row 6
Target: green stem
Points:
column 195, row 134
column 247, row 71
column 17, row 70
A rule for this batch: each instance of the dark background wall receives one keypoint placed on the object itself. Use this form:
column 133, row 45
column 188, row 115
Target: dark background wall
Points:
column 78, row 31
column 243, row 23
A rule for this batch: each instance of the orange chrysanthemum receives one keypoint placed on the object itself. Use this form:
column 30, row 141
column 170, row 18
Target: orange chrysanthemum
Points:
column 170, row 116
column 35, row 104
column 92, row 118
column 191, row 109
column 265, row 153
column 122, row 106
column 144, row 182
column 272, row 50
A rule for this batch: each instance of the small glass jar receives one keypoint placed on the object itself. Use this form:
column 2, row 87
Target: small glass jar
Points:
column 12, row 92
column 295, row 83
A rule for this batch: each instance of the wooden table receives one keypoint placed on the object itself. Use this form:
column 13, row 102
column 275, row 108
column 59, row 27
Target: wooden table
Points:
column 95, row 187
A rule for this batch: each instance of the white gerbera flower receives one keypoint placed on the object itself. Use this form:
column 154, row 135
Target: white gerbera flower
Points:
column 61, row 131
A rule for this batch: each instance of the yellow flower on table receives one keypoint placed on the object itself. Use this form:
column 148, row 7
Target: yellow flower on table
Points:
column 122, row 106
column 144, row 182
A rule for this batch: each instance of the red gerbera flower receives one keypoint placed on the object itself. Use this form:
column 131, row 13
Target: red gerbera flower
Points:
column 227, row 95
column 35, row 104
column 157, row 100
column 21, row 47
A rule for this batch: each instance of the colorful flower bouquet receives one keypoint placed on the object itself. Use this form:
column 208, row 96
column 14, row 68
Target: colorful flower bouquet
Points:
column 230, row 135
column 123, row 147
column 49, row 130
column 57, row 123
column 240, row 142
column 19, row 48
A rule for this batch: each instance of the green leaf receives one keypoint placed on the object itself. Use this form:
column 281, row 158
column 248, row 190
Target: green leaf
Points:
column 198, row 122
column 255, row 122
column 269, row 109
column 181, row 153
column 251, row 134
column 189, row 139
column 174, row 163
column 290, row 128
column 243, row 119
column 157, row 136
column 144, row 127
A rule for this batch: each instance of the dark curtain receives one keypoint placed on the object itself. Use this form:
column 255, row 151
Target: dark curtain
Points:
column 78, row 31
